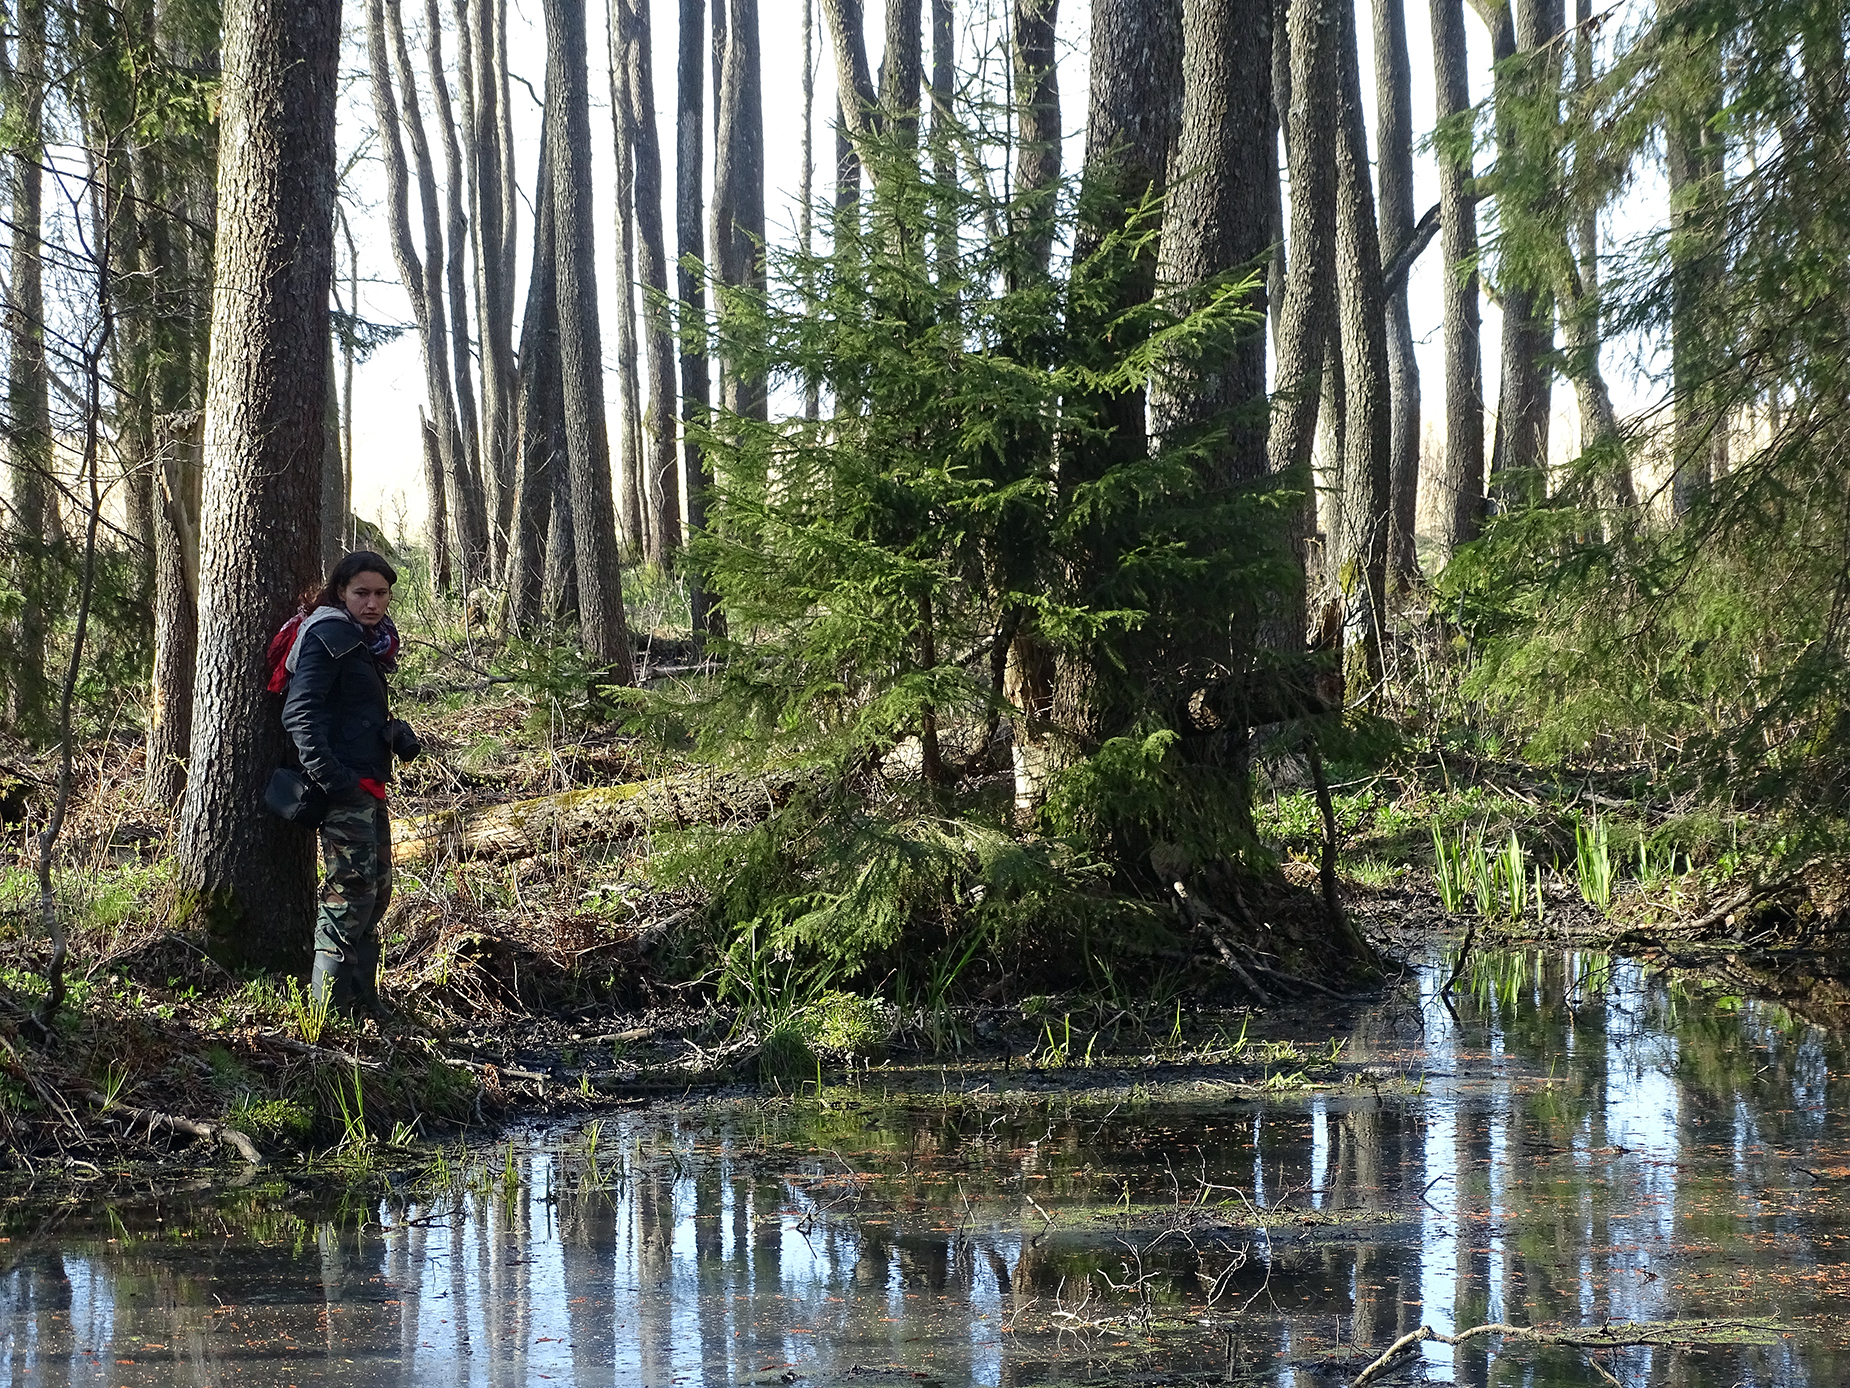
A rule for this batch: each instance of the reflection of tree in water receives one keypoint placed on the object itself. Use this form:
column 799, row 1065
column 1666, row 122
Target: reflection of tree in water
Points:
column 39, row 1293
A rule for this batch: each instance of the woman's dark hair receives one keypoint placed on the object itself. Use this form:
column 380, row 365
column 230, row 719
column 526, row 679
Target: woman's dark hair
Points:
column 361, row 561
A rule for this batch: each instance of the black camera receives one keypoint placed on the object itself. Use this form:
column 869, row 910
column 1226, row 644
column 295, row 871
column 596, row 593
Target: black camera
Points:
column 403, row 742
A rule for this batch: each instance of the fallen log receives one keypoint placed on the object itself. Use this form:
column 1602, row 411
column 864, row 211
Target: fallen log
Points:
column 153, row 1119
column 598, row 814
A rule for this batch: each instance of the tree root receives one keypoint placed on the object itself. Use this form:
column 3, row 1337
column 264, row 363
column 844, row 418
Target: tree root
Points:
column 153, row 1119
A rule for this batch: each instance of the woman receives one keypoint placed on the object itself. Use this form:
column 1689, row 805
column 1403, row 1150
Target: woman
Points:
column 335, row 710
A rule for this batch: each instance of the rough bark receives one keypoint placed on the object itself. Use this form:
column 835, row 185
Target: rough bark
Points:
column 664, row 492
column 1219, row 216
column 859, row 109
column 1461, row 479
column 1519, row 450
column 943, row 136
column 336, row 502
column 602, row 625
column 1310, row 302
column 690, row 245
column 178, row 442
column 246, row 874
column 1362, row 544
column 632, row 507
column 1037, row 128
column 1394, row 175
column 542, row 419
column 28, row 436
column 738, row 189
column 902, row 69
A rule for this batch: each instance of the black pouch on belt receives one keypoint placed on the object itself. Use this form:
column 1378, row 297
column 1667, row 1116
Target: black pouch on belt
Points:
column 292, row 796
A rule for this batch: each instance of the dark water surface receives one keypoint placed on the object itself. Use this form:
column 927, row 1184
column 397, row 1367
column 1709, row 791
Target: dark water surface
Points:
column 1586, row 1146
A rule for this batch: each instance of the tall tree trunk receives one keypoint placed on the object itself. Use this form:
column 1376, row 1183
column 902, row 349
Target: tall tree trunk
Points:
column 177, row 446
column 336, row 502
column 1134, row 113
column 457, row 279
column 248, row 875
column 542, row 418
column 943, row 137
column 1693, row 162
column 419, row 285
column 859, row 112
column 1519, row 452
column 690, row 245
column 632, row 506
column 902, row 69
column 1362, row 544
column 28, row 386
column 738, row 189
column 1461, row 480
column 1394, row 173
column 1310, row 302
column 652, row 264
column 483, row 85
column 1037, row 128
column 1219, row 218
column 1029, row 668
column 602, row 624
column 462, row 482
column 806, row 195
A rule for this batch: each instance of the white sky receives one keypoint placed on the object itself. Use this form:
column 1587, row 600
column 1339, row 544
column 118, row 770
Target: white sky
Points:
column 388, row 483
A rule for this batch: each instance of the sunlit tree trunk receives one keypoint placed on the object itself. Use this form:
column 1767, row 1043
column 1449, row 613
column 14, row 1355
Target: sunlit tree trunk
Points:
column 738, row 189
column 632, row 508
column 664, row 492
column 1362, row 543
column 602, row 624
column 246, row 875
column 690, row 245
column 1394, row 175
column 1461, row 479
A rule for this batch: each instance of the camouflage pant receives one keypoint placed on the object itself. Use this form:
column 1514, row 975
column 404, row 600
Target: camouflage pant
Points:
column 356, row 886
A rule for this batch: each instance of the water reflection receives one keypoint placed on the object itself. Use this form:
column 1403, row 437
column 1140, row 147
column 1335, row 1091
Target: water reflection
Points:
column 1583, row 1145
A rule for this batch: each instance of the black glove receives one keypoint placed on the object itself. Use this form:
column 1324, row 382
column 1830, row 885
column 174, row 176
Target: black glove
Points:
column 402, row 740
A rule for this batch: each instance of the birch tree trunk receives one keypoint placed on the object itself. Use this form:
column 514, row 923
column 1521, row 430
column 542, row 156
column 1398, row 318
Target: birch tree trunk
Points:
column 248, row 876
column 602, row 624
column 1461, row 479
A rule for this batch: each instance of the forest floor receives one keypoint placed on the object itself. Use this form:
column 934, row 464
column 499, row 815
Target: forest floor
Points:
column 533, row 988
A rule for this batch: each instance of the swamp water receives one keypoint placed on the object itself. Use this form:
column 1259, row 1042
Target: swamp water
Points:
column 1582, row 1146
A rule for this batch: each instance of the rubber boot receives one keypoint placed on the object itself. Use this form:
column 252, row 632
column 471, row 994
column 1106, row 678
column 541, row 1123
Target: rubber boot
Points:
column 333, row 982
column 366, row 980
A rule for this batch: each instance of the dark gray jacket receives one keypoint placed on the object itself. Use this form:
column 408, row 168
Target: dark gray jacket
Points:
column 335, row 709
